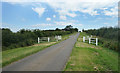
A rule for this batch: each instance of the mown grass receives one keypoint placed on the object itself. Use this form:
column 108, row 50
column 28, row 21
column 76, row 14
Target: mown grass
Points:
column 16, row 54
column 12, row 55
column 87, row 57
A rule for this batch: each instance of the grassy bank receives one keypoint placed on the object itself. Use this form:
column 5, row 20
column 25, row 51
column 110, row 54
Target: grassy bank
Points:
column 87, row 57
column 13, row 55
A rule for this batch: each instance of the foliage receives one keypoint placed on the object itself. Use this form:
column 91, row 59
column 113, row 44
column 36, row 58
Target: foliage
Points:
column 88, row 57
column 24, row 37
column 108, row 37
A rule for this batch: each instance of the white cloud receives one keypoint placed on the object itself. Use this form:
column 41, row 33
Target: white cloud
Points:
column 39, row 25
column 48, row 19
column 106, row 23
column 111, row 12
column 79, row 24
column 39, row 10
column 103, row 8
column 71, row 14
column 63, row 17
column 60, row 1
column 90, row 7
column 66, row 7
column 61, row 23
column 89, row 11
column 54, row 16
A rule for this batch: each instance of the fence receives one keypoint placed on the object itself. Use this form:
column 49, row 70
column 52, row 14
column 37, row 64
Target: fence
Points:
column 86, row 38
column 48, row 39
column 90, row 40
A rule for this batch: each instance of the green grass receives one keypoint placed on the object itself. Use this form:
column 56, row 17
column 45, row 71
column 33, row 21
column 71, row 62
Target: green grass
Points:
column 87, row 57
column 12, row 55
column 16, row 54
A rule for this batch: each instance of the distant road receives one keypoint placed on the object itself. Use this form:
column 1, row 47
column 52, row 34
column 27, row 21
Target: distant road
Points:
column 52, row 58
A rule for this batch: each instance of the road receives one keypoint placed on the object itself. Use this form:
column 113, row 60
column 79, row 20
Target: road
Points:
column 53, row 58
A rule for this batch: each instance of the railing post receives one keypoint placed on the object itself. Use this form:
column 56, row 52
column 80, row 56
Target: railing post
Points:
column 96, row 41
column 91, row 36
column 83, row 39
column 48, row 39
column 38, row 40
column 89, row 40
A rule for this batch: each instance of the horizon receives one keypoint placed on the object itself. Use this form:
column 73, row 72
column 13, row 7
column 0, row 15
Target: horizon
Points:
column 59, row 28
column 52, row 15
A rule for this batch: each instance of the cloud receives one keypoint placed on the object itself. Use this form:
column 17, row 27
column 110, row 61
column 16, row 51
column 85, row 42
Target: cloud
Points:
column 63, row 17
column 39, row 25
column 88, row 6
column 71, row 14
column 111, row 12
column 89, row 11
column 54, row 16
column 106, row 23
column 39, row 10
column 66, row 7
column 60, row 1
column 61, row 23
column 79, row 24
column 48, row 19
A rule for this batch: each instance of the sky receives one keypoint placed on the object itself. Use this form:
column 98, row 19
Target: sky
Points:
column 51, row 14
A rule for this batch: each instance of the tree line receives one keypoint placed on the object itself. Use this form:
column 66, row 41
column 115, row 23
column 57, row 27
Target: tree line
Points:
column 108, row 37
column 21, row 38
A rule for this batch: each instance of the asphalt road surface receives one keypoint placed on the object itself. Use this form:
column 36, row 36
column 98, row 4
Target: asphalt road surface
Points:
column 53, row 58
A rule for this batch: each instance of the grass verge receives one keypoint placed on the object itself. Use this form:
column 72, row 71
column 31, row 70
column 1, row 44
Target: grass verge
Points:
column 16, row 54
column 87, row 57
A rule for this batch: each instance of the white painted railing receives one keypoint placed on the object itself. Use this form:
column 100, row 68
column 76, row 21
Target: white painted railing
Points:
column 44, row 38
column 38, row 40
column 48, row 39
column 58, row 38
column 91, row 40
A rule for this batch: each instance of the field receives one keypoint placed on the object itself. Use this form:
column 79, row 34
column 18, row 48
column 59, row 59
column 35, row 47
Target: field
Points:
column 88, row 57
column 13, row 55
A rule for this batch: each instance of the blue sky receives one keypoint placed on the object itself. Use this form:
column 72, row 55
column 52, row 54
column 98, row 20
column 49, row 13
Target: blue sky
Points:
column 51, row 15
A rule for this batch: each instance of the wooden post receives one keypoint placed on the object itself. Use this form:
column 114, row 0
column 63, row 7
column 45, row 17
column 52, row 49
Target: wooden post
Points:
column 89, row 40
column 96, row 41
column 48, row 39
column 38, row 40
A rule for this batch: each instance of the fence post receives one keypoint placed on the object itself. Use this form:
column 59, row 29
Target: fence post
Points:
column 61, row 37
column 89, row 40
column 91, row 36
column 83, row 39
column 48, row 39
column 38, row 40
column 96, row 41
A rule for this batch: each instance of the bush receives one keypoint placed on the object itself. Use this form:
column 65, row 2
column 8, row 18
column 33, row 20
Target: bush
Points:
column 24, row 37
column 108, row 37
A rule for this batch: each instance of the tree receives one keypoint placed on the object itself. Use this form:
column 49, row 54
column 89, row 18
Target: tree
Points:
column 76, row 29
column 68, row 28
column 57, row 29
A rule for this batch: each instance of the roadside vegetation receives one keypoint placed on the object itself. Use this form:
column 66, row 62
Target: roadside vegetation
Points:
column 88, row 57
column 22, row 38
column 108, row 37
column 12, row 55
